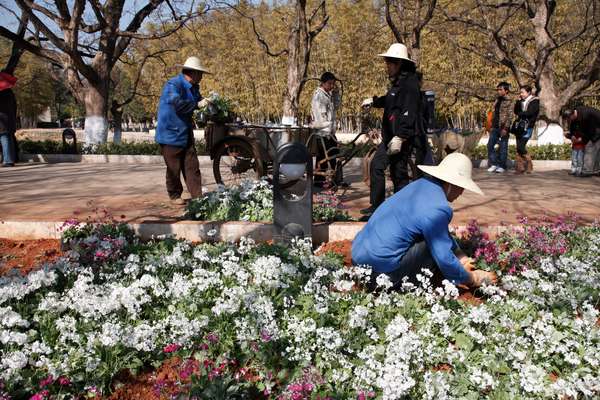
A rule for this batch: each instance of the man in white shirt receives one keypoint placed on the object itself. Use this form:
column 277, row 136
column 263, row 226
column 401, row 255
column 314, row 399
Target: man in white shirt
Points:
column 324, row 104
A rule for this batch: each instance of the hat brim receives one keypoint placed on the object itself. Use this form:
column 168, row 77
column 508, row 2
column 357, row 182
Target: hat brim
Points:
column 448, row 176
column 203, row 70
column 386, row 55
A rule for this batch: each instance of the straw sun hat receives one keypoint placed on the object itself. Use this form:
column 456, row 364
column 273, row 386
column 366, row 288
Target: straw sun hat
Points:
column 193, row 63
column 397, row 50
column 455, row 168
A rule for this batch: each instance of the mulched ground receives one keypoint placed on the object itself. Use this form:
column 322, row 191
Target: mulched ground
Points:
column 27, row 255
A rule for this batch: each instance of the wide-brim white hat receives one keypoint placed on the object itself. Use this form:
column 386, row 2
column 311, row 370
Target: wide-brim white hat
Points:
column 397, row 50
column 455, row 168
column 193, row 63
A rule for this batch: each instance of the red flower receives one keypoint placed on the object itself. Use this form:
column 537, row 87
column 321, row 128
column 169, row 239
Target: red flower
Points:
column 170, row 348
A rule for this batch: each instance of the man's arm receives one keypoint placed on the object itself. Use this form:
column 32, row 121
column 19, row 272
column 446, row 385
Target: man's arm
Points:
column 174, row 97
column 441, row 245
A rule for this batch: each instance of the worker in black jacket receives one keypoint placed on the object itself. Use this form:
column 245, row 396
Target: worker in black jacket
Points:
column 588, row 121
column 400, row 126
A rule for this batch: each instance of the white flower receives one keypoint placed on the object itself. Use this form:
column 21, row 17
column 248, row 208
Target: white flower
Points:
column 532, row 378
column 358, row 317
column 396, row 328
column 383, row 281
column 480, row 314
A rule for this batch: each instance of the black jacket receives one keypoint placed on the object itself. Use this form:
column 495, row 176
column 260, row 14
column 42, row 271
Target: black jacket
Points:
column 8, row 111
column 401, row 108
column 531, row 113
column 588, row 122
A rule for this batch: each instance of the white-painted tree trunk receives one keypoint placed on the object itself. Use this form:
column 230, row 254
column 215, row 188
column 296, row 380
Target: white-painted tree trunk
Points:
column 96, row 129
column 551, row 133
column 96, row 123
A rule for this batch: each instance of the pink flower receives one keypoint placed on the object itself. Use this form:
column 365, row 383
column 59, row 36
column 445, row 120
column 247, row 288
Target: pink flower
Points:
column 212, row 337
column 40, row 395
column 64, row 381
column 170, row 348
column 265, row 336
column 45, row 382
column 296, row 387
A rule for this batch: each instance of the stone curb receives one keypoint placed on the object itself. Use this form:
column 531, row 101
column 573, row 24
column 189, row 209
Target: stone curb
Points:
column 209, row 231
column 205, row 161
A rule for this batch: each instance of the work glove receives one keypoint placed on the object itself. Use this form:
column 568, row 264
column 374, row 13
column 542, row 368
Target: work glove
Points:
column 367, row 102
column 479, row 277
column 394, row 146
column 204, row 102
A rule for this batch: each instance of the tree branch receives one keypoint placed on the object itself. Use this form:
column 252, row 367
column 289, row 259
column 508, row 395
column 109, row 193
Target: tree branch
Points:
column 28, row 46
column 388, row 18
column 259, row 37
column 139, row 75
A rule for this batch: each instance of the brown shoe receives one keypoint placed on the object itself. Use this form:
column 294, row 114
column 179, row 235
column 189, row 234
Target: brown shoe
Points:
column 529, row 162
column 178, row 201
column 520, row 164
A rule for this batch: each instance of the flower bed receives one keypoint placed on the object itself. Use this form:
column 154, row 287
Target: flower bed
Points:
column 254, row 321
column 253, row 201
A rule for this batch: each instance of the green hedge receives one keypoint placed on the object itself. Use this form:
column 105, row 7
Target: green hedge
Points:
column 124, row 148
column 543, row 152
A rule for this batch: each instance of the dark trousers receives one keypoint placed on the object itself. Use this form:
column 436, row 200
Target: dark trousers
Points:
column 327, row 147
column 497, row 158
column 182, row 161
column 398, row 164
column 416, row 258
column 522, row 142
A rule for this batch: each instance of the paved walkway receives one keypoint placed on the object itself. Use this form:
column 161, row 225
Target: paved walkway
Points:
column 55, row 192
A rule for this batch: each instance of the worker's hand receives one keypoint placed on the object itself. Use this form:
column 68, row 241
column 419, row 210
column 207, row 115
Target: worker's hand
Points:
column 479, row 277
column 375, row 135
column 467, row 262
column 368, row 102
column 204, row 102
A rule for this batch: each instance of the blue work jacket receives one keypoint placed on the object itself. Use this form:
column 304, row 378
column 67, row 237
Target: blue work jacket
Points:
column 176, row 107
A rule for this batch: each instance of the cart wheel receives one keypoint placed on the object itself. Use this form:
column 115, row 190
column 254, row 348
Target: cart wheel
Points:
column 235, row 161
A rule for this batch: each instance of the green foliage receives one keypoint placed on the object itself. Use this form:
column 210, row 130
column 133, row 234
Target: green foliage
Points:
column 219, row 110
column 109, row 148
column 253, row 201
column 543, row 152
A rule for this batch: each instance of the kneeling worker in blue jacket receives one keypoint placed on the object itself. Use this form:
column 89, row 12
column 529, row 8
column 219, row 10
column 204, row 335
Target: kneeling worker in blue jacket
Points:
column 409, row 231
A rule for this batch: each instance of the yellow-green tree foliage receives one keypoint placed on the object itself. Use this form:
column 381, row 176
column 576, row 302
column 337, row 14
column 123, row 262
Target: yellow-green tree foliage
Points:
column 34, row 89
column 348, row 46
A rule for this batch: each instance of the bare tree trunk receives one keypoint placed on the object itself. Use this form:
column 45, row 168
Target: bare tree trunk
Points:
column 117, row 115
column 297, row 63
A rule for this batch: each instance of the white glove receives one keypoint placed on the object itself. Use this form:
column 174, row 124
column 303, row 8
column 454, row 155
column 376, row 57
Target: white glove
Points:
column 367, row 102
column 204, row 102
column 394, row 146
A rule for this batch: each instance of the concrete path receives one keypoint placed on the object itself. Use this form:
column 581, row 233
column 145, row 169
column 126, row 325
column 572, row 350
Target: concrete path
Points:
column 55, row 192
